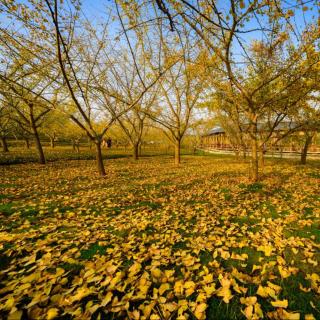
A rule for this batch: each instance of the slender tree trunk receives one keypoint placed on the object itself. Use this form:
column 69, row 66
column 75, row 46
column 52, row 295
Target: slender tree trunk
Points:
column 261, row 164
column 177, row 152
column 52, row 144
column 135, row 150
column 4, row 144
column 305, row 148
column 99, row 159
column 236, row 152
column 39, row 148
column 244, row 154
column 254, row 160
column 90, row 144
column 27, row 143
column 140, row 149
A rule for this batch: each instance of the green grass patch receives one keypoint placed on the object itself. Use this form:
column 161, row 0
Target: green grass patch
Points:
column 304, row 232
column 297, row 299
column 252, row 187
column 93, row 249
column 180, row 245
column 217, row 309
column 7, row 209
column 205, row 257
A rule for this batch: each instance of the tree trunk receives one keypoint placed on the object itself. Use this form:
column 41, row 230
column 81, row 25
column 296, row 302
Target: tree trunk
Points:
column 244, row 154
column 73, row 145
column 140, row 149
column 262, row 160
column 305, row 148
column 236, row 152
column 52, row 144
column 27, row 143
column 177, row 155
column 99, row 159
column 42, row 158
column 135, row 150
column 254, row 160
column 4, row 144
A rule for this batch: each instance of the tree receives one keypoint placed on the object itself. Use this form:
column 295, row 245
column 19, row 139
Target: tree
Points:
column 258, row 84
column 180, row 92
column 85, row 63
column 27, row 109
column 73, row 133
column 19, row 133
column 26, row 87
column 55, row 125
column 5, row 126
column 133, row 121
column 307, row 123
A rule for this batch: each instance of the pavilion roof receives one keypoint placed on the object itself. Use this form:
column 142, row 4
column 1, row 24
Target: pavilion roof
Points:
column 285, row 125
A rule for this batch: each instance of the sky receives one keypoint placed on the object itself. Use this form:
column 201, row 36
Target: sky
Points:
column 96, row 9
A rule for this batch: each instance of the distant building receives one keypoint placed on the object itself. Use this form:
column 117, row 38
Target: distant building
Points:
column 218, row 139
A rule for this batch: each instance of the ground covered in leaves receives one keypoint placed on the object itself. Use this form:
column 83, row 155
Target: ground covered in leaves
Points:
column 156, row 241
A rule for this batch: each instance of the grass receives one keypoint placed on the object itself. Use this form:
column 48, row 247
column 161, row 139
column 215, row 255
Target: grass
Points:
column 92, row 250
column 18, row 155
column 6, row 209
column 312, row 231
column 192, row 220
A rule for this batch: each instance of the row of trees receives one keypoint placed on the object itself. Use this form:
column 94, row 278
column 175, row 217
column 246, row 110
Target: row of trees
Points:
column 271, row 80
column 249, row 62
column 93, row 77
column 62, row 132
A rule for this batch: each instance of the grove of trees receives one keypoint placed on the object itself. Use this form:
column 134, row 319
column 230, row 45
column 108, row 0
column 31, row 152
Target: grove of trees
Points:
column 142, row 64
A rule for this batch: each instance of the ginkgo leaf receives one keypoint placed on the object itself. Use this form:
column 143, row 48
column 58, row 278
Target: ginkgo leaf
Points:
column 81, row 293
column 52, row 313
column 157, row 273
column 16, row 315
column 267, row 249
column 209, row 290
column 199, row 311
column 280, row 303
column 255, row 267
column 135, row 268
column 275, row 287
column 164, row 287
column 32, row 277
column 225, row 293
column 303, row 288
column 248, row 312
column 189, row 288
column 248, row 300
column 291, row 315
column 284, row 272
column 265, row 292
column 178, row 287
column 106, row 299
column 9, row 304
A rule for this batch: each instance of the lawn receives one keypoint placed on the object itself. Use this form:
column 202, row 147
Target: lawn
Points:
column 155, row 241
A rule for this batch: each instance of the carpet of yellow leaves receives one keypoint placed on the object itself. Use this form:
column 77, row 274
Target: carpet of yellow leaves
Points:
column 155, row 241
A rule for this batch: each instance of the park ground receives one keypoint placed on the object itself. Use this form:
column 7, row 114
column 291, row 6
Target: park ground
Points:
column 152, row 240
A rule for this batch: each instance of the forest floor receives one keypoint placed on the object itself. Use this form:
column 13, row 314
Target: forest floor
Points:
column 155, row 241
